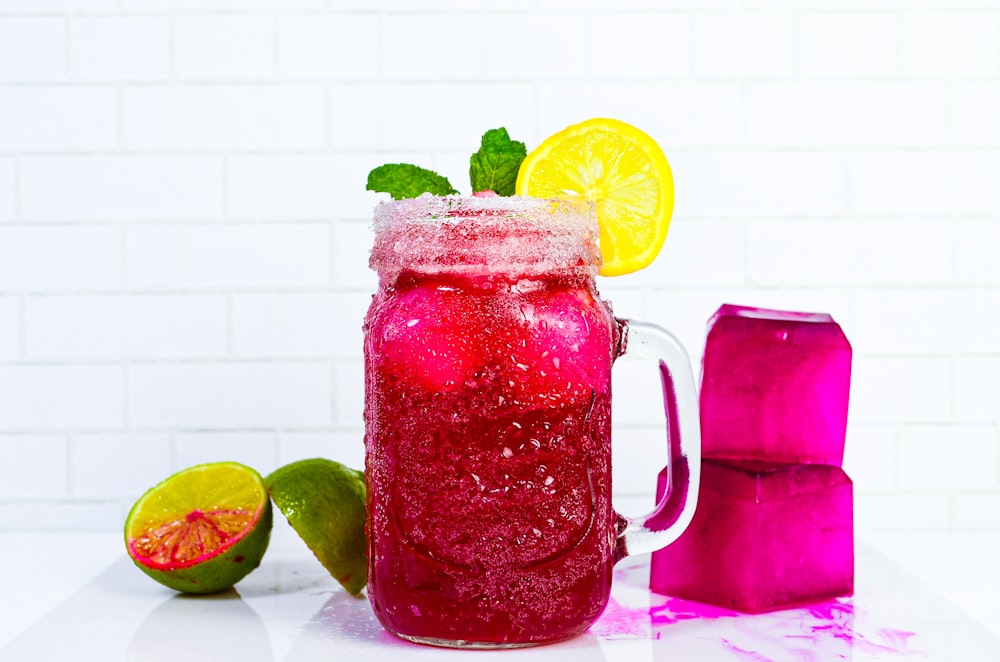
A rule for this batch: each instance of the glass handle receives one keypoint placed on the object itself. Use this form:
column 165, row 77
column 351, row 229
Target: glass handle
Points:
column 675, row 508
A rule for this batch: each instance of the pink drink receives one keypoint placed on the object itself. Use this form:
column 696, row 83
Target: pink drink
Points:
column 488, row 402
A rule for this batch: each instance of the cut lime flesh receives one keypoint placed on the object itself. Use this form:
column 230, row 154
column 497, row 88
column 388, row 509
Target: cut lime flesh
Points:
column 202, row 529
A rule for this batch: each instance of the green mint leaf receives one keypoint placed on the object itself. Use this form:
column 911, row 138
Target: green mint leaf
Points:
column 494, row 167
column 403, row 180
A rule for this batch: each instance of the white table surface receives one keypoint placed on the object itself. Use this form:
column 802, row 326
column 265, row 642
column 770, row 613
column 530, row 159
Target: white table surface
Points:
column 75, row 596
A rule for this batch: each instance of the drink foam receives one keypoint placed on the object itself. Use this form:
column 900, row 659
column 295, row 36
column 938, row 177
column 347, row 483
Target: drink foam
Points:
column 474, row 235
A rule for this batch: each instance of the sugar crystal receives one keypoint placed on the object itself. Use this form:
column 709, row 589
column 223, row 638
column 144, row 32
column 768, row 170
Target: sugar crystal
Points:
column 471, row 235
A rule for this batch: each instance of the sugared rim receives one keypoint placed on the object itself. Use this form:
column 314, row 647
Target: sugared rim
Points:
column 450, row 208
column 462, row 235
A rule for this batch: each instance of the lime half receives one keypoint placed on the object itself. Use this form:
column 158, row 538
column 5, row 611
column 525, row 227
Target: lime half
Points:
column 202, row 529
column 324, row 501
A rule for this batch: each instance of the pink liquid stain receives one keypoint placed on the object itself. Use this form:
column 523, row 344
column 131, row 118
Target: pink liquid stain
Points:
column 622, row 621
column 743, row 653
column 800, row 634
column 675, row 610
column 836, row 620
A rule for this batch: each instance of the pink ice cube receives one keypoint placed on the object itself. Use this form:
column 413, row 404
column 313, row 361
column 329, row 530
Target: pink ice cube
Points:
column 429, row 338
column 775, row 386
column 562, row 346
column 764, row 536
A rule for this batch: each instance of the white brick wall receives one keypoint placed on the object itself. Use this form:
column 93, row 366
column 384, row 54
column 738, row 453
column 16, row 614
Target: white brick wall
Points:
column 735, row 43
column 184, row 226
column 107, row 327
column 872, row 39
column 324, row 47
column 121, row 187
column 939, row 43
column 112, row 48
column 200, row 117
column 32, row 48
column 229, row 255
column 10, row 323
column 7, row 188
column 59, row 257
column 230, row 395
column 61, row 397
column 224, row 47
column 35, row 119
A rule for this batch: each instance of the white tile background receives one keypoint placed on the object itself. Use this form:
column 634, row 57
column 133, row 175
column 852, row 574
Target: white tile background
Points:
column 183, row 221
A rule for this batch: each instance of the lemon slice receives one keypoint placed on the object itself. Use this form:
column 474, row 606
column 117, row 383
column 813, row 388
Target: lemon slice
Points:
column 623, row 171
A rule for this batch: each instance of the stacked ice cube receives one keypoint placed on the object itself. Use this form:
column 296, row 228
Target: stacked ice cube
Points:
column 774, row 522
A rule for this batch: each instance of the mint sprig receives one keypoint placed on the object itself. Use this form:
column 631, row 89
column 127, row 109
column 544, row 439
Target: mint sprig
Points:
column 494, row 167
column 404, row 180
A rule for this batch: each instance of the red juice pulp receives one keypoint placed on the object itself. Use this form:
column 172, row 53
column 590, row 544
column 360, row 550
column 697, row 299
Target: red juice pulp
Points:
column 488, row 403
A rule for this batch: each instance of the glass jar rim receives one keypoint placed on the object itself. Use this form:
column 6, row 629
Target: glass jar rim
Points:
column 496, row 234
